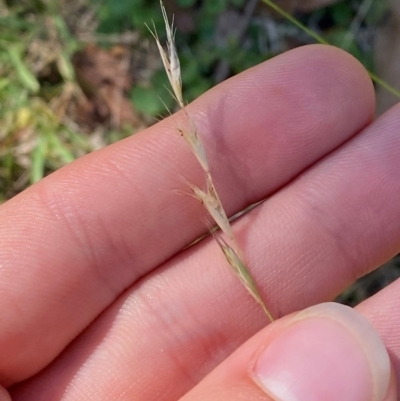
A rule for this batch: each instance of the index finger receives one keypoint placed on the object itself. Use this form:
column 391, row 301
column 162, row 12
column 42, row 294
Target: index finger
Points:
column 72, row 243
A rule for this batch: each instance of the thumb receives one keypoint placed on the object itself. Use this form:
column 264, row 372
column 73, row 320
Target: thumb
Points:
column 4, row 396
column 328, row 352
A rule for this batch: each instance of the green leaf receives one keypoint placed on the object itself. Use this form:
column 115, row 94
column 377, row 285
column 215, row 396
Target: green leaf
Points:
column 342, row 14
column 3, row 83
column 121, row 8
column 65, row 67
column 26, row 77
column 200, row 86
column 238, row 3
column 61, row 149
column 376, row 12
column 186, row 3
column 215, row 7
column 147, row 101
column 39, row 160
column 190, row 70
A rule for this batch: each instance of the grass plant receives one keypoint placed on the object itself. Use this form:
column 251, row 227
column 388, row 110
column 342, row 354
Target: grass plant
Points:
column 39, row 132
column 320, row 39
column 36, row 137
column 208, row 196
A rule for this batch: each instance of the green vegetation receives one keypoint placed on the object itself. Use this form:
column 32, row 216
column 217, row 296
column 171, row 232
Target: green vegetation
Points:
column 40, row 90
column 36, row 82
column 215, row 47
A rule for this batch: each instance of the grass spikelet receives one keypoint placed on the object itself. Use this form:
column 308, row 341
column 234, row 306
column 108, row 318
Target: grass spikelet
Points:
column 242, row 272
column 209, row 196
column 193, row 140
column 215, row 209
column 171, row 61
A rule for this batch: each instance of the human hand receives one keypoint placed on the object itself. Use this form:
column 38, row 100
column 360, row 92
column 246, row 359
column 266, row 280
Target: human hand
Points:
column 99, row 300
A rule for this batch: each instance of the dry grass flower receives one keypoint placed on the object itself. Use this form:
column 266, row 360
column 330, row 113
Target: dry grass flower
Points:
column 209, row 196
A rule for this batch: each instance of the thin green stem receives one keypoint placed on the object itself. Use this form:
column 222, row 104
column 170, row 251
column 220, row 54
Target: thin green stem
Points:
column 296, row 22
column 323, row 41
column 384, row 84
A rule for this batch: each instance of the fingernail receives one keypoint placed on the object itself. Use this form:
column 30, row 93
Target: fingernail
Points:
column 327, row 352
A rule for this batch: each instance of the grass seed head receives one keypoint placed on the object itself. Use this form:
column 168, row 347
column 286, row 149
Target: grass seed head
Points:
column 171, row 60
column 193, row 140
column 209, row 198
column 242, row 272
column 215, row 209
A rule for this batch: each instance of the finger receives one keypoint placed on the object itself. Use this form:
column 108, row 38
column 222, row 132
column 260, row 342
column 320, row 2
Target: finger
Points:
column 4, row 395
column 72, row 243
column 384, row 312
column 179, row 323
column 326, row 352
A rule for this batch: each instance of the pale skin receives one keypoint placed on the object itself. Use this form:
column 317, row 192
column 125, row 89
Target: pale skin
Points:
column 101, row 302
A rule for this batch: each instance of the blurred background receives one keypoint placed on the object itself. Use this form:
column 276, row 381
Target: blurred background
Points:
column 77, row 75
